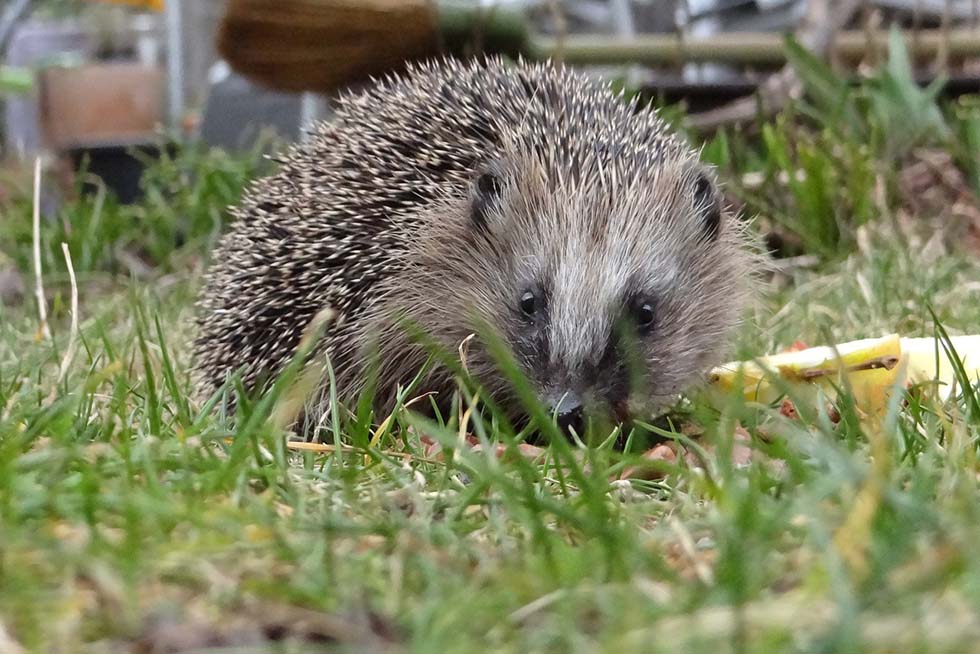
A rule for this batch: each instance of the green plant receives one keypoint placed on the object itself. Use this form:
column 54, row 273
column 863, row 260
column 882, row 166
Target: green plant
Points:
column 829, row 163
column 124, row 505
column 966, row 146
column 888, row 110
column 186, row 194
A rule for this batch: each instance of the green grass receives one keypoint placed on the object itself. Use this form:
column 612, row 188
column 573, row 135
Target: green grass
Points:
column 119, row 500
column 131, row 514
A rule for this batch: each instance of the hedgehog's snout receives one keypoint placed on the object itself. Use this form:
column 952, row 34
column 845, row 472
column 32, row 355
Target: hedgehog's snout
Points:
column 573, row 411
column 568, row 411
column 577, row 386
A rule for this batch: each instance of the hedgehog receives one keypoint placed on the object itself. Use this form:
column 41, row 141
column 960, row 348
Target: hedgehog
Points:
column 524, row 201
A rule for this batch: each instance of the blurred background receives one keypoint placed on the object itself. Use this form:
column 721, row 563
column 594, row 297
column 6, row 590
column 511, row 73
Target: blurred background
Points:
column 96, row 80
column 183, row 97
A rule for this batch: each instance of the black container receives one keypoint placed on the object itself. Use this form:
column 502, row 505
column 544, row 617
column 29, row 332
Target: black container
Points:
column 119, row 165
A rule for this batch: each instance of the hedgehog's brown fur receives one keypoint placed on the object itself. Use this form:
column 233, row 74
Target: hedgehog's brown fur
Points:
column 444, row 197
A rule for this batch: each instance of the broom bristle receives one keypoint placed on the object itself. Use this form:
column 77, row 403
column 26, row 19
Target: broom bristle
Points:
column 323, row 45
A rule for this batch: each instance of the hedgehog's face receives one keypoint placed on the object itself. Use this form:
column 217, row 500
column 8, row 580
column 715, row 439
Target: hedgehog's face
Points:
column 612, row 297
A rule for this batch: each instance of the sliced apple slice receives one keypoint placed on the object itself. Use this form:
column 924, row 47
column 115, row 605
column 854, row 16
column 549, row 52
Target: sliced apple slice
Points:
column 870, row 365
column 921, row 355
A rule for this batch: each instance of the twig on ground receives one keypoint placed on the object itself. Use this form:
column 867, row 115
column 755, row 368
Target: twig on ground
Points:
column 42, row 307
column 73, row 334
column 543, row 602
column 327, row 448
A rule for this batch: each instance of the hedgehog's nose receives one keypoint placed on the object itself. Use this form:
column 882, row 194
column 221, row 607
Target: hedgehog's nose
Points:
column 569, row 413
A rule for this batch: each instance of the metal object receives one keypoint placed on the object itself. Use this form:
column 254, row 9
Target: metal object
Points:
column 622, row 14
column 311, row 110
column 32, row 45
column 175, row 61
column 11, row 16
column 237, row 112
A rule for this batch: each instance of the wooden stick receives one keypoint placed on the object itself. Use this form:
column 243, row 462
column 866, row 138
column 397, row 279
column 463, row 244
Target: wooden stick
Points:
column 743, row 48
column 73, row 334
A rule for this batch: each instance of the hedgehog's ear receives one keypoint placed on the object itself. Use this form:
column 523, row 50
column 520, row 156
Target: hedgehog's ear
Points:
column 708, row 204
column 485, row 194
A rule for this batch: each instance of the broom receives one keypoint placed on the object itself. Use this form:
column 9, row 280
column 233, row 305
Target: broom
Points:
column 322, row 45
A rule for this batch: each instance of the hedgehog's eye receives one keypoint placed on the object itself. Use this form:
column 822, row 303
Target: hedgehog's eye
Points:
column 529, row 303
column 645, row 314
column 707, row 201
